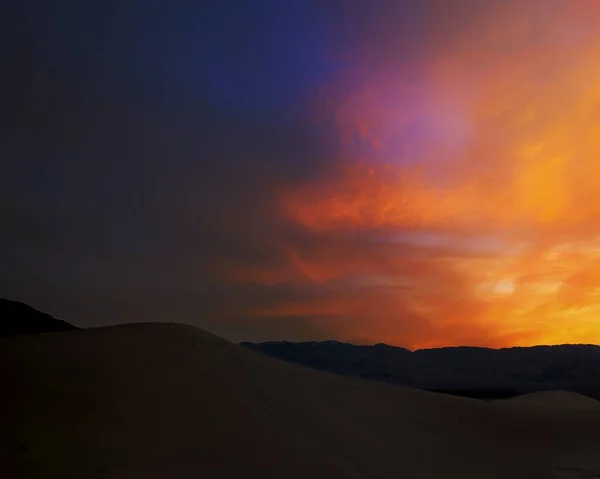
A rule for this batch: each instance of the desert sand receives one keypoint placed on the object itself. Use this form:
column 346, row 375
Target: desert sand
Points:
column 172, row 401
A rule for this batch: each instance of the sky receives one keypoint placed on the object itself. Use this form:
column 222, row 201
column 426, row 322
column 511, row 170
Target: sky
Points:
column 423, row 173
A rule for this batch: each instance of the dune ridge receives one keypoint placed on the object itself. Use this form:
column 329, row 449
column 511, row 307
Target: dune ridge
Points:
column 164, row 400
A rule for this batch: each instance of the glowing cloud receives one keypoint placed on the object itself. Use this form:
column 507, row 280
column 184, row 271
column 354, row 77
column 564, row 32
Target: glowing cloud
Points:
column 477, row 167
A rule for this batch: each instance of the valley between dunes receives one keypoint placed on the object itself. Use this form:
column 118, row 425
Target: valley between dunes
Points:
column 172, row 401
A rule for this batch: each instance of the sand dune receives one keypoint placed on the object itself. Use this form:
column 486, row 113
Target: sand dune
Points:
column 171, row 401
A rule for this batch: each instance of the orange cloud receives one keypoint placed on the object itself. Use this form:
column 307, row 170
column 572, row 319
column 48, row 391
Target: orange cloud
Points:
column 497, row 141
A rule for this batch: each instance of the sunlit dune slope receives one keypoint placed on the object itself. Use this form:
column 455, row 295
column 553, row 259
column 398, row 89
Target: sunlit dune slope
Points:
column 162, row 401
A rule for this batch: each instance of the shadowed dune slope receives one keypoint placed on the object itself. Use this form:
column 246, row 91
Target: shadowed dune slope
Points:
column 172, row 401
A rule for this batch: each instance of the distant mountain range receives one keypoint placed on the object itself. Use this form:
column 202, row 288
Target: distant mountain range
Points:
column 466, row 371
column 20, row 318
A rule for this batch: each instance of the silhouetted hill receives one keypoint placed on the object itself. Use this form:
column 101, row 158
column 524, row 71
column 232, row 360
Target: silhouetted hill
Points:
column 466, row 371
column 20, row 318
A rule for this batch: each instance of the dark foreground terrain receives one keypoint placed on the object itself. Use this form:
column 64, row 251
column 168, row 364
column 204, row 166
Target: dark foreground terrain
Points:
column 161, row 400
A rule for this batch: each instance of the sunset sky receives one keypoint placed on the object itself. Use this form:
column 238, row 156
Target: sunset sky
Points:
column 422, row 173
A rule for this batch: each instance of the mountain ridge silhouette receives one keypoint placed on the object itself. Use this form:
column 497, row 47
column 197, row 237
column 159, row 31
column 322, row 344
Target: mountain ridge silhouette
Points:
column 463, row 370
